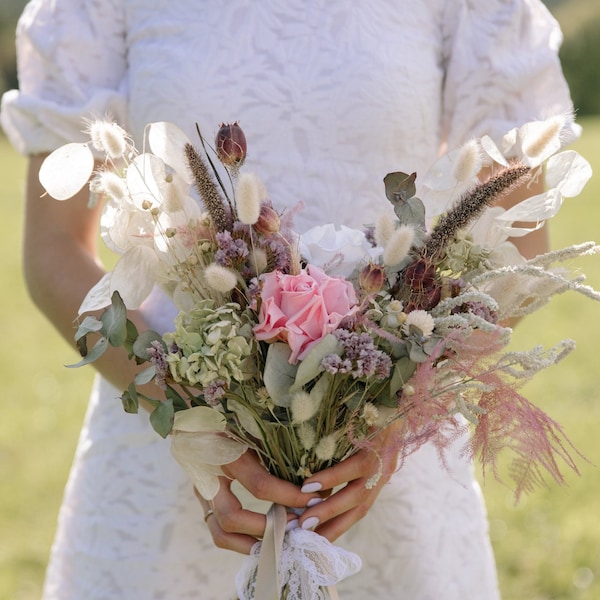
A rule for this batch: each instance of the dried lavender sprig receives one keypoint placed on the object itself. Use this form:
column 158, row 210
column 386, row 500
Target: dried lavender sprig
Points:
column 471, row 205
column 207, row 189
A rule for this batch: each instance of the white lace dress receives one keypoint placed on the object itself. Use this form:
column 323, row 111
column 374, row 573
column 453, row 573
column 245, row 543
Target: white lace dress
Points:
column 332, row 95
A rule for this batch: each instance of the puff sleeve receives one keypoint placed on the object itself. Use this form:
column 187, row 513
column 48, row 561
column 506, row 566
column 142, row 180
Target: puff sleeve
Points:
column 501, row 68
column 71, row 58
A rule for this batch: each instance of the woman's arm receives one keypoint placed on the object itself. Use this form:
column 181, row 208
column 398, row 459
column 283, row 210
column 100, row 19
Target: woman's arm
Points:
column 61, row 264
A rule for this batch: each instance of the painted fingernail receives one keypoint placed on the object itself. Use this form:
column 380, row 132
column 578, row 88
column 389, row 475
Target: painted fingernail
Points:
column 291, row 525
column 309, row 488
column 311, row 523
column 313, row 502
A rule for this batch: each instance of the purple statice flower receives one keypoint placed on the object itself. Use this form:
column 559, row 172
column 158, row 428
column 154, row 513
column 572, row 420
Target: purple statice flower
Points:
column 232, row 251
column 214, row 391
column 332, row 363
column 361, row 359
column 278, row 253
column 158, row 357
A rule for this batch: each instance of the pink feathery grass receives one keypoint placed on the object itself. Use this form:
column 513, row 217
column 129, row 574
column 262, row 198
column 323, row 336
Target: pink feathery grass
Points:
column 506, row 420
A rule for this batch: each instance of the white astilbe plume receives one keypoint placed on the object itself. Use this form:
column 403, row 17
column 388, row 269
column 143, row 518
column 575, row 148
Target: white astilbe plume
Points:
column 384, row 228
column 524, row 365
column 398, row 245
column 110, row 138
column 469, row 161
column 248, row 197
column 220, row 278
column 522, row 289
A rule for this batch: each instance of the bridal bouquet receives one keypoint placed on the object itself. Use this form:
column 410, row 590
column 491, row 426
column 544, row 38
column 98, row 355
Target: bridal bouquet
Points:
column 304, row 347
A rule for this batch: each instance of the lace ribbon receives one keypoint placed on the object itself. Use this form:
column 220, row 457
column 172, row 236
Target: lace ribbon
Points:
column 303, row 563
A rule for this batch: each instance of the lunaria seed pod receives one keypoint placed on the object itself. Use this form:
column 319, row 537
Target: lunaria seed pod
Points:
column 230, row 143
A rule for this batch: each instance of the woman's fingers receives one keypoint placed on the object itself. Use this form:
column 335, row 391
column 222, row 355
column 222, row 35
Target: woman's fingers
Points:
column 264, row 486
column 235, row 542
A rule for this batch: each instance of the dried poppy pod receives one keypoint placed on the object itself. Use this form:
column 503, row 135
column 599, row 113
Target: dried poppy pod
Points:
column 268, row 220
column 371, row 278
column 230, row 143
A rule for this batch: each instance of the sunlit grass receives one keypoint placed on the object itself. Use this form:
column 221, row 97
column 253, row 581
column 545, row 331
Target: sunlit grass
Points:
column 547, row 547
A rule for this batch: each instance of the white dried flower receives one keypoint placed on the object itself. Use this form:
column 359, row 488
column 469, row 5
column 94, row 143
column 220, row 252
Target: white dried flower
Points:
column 420, row 319
column 303, row 407
column 399, row 245
column 220, row 278
column 370, row 414
column 108, row 137
column 248, row 197
column 326, row 447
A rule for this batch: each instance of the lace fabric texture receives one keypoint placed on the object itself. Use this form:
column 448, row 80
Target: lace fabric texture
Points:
column 309, row 564
column 332, row 96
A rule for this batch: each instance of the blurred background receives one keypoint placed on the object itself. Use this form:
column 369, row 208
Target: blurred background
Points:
column 547, row 546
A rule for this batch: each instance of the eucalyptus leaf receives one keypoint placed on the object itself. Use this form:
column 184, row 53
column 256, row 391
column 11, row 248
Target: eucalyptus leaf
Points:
column 162, row 417
column 416, row 352
column 114, row 319
column 144, row 341
column 88, row 325
column 411, row 212
column 145, row 376
column 179, row 402
column 399, row 186
column 310, row 366
column 130, row 400
column 279, row 375
column 95, row 353
column 404, row 369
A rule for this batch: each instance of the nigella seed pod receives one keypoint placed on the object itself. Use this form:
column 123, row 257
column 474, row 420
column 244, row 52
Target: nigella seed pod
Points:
column 230, row 143
column 371, row 278
column 268, row 220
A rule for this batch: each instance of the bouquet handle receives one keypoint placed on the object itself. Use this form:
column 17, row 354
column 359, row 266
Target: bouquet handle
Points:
column 267, row 577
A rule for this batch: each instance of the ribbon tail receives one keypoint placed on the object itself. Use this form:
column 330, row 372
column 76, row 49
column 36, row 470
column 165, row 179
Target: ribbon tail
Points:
column 268, row 586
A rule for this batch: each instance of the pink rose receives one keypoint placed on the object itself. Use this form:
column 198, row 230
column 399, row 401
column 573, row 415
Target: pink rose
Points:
column 302, row 309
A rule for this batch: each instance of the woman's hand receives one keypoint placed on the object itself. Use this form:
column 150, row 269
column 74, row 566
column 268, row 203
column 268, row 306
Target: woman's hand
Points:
column 234, row 528
column 341, row 510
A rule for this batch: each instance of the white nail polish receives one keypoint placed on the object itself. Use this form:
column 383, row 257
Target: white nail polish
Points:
column 314, row 502
column 309, row 488
column 291, row 525
column 311, row 523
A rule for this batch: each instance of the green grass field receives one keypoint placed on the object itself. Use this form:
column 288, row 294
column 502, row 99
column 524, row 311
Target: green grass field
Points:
column 547, row 547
